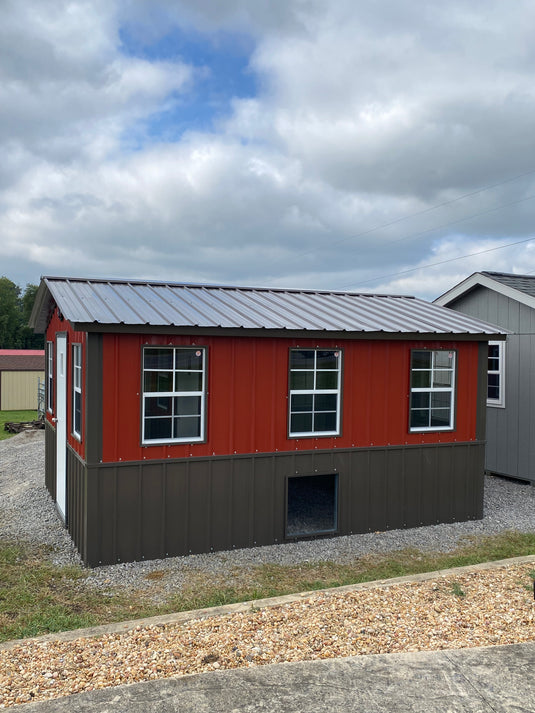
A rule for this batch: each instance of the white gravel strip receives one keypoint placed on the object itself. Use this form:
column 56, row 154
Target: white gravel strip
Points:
column 27, row 514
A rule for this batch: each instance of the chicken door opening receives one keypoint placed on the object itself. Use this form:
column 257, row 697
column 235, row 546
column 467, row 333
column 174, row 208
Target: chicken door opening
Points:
column 312, row 505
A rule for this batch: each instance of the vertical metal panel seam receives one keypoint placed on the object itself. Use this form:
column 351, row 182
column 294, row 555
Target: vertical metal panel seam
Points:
column 164, row 545
column 140, row 550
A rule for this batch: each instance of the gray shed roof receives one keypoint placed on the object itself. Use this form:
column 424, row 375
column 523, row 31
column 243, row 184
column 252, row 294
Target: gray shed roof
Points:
column 518, row 287
column 523, row 283
column 94, row 304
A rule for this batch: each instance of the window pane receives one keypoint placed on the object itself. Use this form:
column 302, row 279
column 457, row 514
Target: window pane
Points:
column 493, row 386
column 158, row 406
column 188, row 359
column 301, row 380
column 187, row 405
column 419, row 418
column 326, row 360
column 188, row 381
column 442, row 379
column 301, row 402
column 187, row 427
column 443, row 360
column 421, row 360
column 441, row 400
column 301, row 423
column 327, row 380
column 440, row 417
column 158, row 381
column 494, row 351
column 157, row 428
column 421, row 379
column 325, row 422
column 77, row 416
column 302, row 359
column 420, row 400
column 494, row 364
column 325, row 402
column 158, row 359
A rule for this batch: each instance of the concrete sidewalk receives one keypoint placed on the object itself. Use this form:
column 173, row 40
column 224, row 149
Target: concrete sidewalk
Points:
column 483, row 680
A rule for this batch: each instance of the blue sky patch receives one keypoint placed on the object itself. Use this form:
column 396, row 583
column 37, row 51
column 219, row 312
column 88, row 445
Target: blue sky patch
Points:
column 223, row 63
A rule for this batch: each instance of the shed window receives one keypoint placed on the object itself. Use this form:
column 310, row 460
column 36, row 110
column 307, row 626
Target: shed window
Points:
column 432, row 401
column 50, row 376
column 315, row 377
column 173, row 394
column 495, row 385
column 77, row 390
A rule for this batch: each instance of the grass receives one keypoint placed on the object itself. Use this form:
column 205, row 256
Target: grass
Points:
column 37, row 597
column 457, row 589
column 15, row 416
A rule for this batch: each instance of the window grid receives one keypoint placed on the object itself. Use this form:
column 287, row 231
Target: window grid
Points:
column 77, row 391
column 173, row 395
column 432, row 402
column 314, row 392
column 495, row 374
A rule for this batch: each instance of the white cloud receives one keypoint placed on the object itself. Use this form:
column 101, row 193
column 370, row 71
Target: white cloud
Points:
column 367, row 116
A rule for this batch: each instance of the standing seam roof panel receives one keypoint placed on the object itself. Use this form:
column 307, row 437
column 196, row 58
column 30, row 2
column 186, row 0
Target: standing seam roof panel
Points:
column 291, row 315
column 227, row 307
column 173, row 304
column 73, row 304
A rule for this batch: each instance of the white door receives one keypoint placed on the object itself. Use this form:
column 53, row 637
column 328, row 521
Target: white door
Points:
column 61, row 422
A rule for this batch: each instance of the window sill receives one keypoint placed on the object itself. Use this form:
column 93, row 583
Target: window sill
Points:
column 319, row 434
column 173, row 442
column 448, row 429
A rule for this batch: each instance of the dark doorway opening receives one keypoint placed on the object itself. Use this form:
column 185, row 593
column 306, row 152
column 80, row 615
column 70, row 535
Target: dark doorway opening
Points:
column 312, row 505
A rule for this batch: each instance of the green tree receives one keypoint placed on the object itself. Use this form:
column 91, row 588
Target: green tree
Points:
column 30, row 340
column 10, row 314
column 15, row 310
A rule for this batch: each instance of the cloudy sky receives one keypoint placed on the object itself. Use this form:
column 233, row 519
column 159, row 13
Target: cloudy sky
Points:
column 375, row 145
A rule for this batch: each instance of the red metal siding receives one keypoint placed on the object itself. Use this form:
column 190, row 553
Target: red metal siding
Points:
column 247, row 396
column 57, row 325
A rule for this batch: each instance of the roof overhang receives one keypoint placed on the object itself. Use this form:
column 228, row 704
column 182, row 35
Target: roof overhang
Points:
column 479, row 280
column 99, row 328
column 43, row 307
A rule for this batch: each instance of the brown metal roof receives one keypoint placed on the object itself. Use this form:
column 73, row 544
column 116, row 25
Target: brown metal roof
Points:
column 19, row 360
column 88, row 303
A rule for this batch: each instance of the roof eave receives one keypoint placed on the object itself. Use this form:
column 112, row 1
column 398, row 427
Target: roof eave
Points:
column 99, row 327
column 480, row 280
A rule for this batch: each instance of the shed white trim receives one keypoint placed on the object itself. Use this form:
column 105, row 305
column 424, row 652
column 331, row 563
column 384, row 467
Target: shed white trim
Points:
column 480, row 280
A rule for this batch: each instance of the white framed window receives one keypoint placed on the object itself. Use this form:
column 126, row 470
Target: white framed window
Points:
column 50, row 376
column 432, row 400
column 495, row 374
column 77, row 391
column 174, row 395
column 314, row 392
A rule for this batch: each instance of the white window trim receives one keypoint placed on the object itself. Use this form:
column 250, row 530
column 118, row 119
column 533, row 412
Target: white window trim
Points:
column 434, row 390
column 314, row 392
column 500, row 402
column 76, row 389
column 50, row 377
column 202, row 394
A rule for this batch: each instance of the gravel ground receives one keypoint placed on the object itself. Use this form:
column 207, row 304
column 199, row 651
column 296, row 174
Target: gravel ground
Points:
column 466, row 609
column 28, row 514
column 477, row 608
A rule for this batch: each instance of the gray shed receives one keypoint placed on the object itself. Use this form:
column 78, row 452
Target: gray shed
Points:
column 507, row 300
